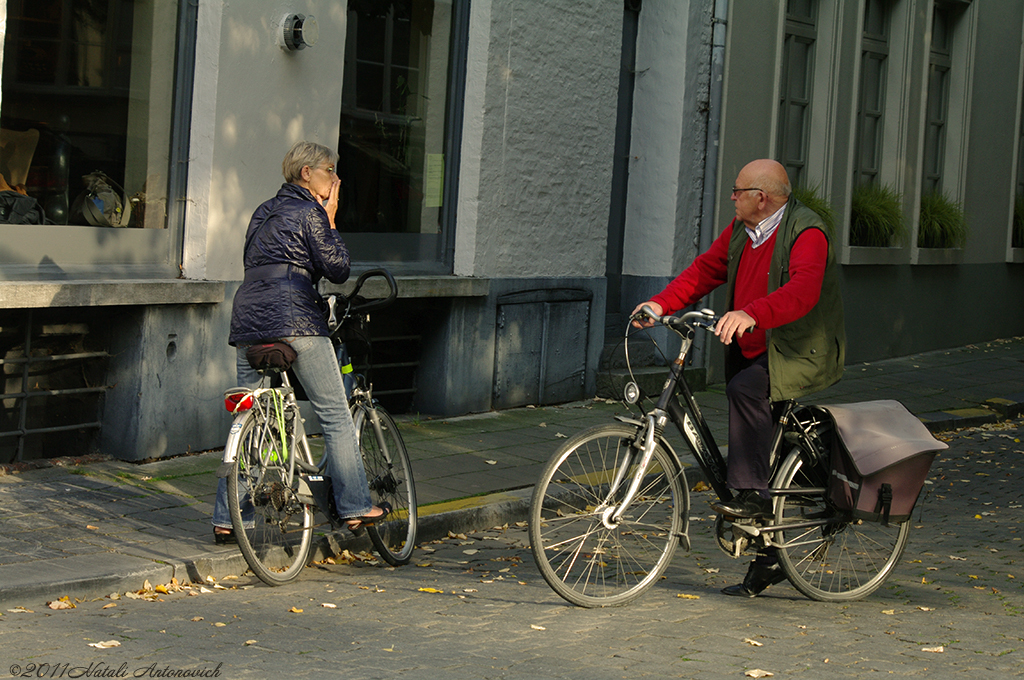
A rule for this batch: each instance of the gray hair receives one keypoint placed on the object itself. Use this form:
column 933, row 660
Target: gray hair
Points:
column 306, row 153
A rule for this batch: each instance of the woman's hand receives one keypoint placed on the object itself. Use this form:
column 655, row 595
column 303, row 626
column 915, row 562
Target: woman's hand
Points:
column 332, row 201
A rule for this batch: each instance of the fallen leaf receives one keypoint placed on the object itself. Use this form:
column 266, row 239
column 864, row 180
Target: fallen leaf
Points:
column 91, row 527
column 329, row 605
column 937, row 650
column 927, row 609
column 61, row 603
column 250, row 642
column 959, row 559
column 685, row 596
column 105, row 645
column 21, row 610
column 295, row 610
column 491, row 462
column 221, row 624
column 196, row 618
column 454, row 535
column 753, row 643
column 758, row 673
column 890, row 612
column 536, row 627
column 162, row 589
column 430, row 590
column 425, row 564
column 109, row 605
column 559, row 435
column 471, row 551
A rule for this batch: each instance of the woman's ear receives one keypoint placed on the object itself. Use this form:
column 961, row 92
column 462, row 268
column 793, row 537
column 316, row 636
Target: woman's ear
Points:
column 306, row 173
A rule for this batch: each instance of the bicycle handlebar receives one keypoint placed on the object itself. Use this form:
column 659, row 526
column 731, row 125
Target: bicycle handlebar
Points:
column 376, row 303
column 704, row 318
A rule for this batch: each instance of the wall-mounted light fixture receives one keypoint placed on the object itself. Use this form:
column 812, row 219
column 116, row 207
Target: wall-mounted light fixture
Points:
column 299, row 31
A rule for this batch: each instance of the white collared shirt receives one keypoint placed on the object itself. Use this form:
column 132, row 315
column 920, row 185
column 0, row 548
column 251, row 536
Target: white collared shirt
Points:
column 765, row 228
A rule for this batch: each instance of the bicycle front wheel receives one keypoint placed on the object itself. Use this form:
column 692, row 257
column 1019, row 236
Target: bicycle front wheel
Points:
column 389, row 473
column 829, row 556
column 273, row 527
column 586, row 556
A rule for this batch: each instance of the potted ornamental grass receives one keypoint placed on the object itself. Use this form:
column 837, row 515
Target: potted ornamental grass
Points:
column 942, row 222
column 876, row 217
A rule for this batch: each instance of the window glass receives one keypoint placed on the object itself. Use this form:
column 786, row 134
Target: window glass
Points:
column 940, row 63
column 394, row 128
column 797, row 74
column 86, row 108
column 871, row 110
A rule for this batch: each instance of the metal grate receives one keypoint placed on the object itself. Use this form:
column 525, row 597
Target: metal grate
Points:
column 52, row 387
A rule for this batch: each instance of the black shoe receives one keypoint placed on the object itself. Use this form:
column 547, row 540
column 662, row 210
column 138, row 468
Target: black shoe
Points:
column 748, row 504
column 759, row 577
column 224, row 539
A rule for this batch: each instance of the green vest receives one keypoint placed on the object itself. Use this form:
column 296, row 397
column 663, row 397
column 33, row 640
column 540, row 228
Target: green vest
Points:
column 807, row 355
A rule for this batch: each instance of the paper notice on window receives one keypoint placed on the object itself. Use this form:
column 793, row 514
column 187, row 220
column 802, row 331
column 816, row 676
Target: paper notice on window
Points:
column 433, row 185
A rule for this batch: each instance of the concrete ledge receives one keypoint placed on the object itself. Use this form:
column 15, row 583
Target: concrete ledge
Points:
column 41, row 294
column 418, row 287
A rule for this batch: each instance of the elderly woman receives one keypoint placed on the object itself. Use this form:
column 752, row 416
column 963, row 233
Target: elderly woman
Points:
column 291, row 243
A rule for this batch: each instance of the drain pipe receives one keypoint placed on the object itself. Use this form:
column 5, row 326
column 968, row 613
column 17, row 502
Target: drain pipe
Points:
column 707, row 221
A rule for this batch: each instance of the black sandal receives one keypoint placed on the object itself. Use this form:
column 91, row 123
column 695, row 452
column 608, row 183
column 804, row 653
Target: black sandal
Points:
column 367, row 520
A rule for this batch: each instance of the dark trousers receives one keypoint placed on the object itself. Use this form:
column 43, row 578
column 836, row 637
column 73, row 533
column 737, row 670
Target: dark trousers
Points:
column 750, row 426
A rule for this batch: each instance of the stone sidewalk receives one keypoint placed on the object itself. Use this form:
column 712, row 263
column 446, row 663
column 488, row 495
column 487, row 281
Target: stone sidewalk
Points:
column 88, row 529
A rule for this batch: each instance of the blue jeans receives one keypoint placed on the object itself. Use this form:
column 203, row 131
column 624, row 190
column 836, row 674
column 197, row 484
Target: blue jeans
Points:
column 317, row 369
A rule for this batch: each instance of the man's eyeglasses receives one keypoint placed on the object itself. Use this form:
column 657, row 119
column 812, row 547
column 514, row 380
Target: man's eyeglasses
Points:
column 735, row 190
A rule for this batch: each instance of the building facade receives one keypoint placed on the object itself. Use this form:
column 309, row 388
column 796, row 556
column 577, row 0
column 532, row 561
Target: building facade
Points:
column 528, row 170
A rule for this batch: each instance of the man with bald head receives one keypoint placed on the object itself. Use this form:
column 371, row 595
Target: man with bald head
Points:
column 783, row 332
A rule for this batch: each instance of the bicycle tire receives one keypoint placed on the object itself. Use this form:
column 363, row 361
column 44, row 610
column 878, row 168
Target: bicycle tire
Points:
column 585, row 561
column 843, row 560
column 390, row 482
column 277, row 540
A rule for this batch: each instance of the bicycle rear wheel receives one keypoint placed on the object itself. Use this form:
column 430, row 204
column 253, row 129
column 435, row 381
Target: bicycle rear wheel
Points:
column 389, row 473
column 273, row 527
column 584, row 556
column 832, row 557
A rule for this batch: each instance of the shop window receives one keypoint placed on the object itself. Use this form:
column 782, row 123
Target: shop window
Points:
column 87, row 96
column 399, row 127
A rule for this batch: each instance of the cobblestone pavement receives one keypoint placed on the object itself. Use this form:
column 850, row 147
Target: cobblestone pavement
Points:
column 475, row 606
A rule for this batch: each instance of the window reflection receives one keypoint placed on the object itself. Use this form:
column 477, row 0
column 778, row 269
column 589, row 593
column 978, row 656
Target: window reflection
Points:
column 89, row 81
column 391, row 147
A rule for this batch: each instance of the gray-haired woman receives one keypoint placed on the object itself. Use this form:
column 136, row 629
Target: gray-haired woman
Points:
column 291, row 243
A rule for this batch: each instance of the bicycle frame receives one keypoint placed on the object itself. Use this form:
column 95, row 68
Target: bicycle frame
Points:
column 676, row 403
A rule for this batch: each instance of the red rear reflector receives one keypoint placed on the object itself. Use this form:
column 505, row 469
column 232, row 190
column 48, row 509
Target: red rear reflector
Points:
column 239, row 401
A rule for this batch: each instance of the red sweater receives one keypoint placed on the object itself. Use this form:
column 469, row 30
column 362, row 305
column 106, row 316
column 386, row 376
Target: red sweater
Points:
column 790, row 302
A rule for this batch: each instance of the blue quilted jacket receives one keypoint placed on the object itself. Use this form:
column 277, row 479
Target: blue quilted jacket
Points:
column 289, row 247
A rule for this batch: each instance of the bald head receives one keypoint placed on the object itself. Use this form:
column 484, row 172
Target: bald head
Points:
column 770, row 176
column 763, row 188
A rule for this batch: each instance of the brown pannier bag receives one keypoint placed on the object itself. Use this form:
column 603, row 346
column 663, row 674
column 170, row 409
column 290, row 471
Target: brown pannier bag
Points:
column 880, row 459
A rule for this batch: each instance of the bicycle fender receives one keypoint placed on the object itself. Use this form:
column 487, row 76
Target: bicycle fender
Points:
column 233, row 434
column 684, row 536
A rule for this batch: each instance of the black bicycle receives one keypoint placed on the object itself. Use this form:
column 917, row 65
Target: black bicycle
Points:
column 612, row 504
column 276, row 481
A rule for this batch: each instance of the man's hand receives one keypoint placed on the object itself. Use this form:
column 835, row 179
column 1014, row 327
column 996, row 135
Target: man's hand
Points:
column 734, row 324
column 646, row 322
